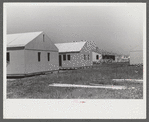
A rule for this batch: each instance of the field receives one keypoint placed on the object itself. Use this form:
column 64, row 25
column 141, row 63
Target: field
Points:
column 37, row 87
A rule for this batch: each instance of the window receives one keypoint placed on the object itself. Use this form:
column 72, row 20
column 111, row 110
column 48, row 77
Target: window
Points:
column 97, row 57
column 48, row 55
column 64, row 57
column 68, row 57
column 39, row 56
column 8, row 57
column 84, row 57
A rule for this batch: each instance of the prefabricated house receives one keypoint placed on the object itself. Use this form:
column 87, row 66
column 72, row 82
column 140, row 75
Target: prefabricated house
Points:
column 100, row 55
column 96, row 57
column 136, row 55
column 30, row 53
column 75, row 54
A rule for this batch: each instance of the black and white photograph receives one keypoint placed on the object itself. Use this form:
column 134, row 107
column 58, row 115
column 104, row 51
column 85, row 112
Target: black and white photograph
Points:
column 75, row 54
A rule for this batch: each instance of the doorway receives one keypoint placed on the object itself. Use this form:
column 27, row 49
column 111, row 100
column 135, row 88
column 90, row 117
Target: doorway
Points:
column 60, row 60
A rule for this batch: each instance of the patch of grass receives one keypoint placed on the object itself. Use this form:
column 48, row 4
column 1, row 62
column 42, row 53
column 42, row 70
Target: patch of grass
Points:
column 38, row 91
column 38, row 86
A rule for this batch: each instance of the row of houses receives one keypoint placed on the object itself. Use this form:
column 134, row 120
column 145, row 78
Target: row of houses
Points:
column 34, row 52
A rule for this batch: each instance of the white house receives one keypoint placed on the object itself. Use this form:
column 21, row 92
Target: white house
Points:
column 75, row 54
column 136, row 55
column 100, row 55
column 29, row 53
column 96, row 57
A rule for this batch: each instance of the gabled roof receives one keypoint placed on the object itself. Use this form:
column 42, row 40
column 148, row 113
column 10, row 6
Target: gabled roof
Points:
column 21, row 39
column 70, row 47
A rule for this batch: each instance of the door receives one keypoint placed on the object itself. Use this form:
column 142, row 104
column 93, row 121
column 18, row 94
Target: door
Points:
column 60, row 60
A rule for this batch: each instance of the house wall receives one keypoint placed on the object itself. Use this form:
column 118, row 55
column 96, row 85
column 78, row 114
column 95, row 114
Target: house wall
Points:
column 54, row 62
column 77, row 59
column 32, row 65
column 16, row 64
column 136, row 57
column 87, row 50
column 94, row 54
column 41, row 43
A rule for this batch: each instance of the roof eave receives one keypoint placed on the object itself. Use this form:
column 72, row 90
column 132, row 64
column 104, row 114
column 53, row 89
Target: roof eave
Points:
column 71, row 52
column 16, row 48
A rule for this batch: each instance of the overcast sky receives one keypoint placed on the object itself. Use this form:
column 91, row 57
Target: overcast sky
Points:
column 116, row 28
